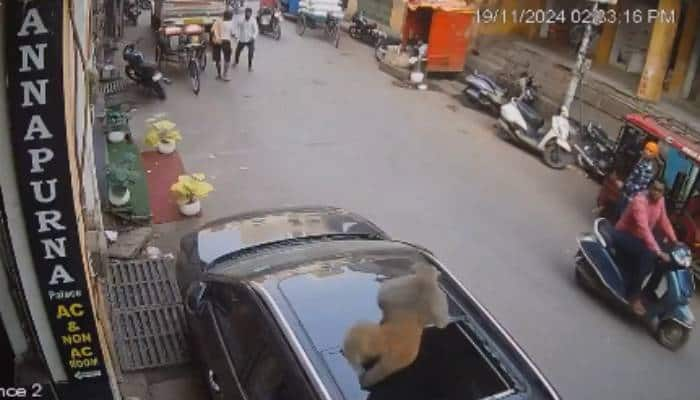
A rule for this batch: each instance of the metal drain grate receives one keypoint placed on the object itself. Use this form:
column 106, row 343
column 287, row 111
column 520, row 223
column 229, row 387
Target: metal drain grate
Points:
column 142, row 283
column 150, row 337
column 148, row 319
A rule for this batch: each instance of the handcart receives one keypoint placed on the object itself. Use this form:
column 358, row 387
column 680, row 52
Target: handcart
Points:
column 185, row 45
column 328, row 22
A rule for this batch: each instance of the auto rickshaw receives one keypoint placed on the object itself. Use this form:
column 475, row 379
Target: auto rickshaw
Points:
column 679, row 169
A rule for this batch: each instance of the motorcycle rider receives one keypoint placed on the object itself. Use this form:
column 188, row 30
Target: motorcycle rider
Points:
column 634, row 237
column 271, row 4
column 642, row 174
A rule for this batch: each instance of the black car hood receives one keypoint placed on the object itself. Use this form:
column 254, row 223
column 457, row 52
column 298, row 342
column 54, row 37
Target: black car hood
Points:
column 229, row 235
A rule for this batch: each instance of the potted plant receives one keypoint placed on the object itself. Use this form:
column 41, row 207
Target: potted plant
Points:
column 189, row 190
column 117, row 123
column 121, row 176
column 162, row 134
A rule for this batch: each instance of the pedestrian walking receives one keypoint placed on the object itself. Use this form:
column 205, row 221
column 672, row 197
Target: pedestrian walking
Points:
column 222, row 34
column 247, row 30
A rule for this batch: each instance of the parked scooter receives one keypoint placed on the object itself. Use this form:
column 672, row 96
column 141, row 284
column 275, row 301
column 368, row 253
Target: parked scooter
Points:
column 269, row 22
column 485, row 93
column 521, row 123
column 668, row 313
column 141, row 72
column 363, row 30
column 595, row 151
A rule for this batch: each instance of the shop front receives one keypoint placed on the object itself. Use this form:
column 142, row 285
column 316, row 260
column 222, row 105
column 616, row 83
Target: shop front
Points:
column 46, row 287
column 446, row 26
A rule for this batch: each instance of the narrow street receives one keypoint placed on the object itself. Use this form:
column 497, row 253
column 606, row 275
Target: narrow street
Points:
column 317, row 125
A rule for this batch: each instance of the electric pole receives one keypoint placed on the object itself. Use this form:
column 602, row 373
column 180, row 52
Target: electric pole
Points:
column 582, row 62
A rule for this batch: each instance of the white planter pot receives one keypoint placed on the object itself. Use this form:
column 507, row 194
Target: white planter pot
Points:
column 119, row 201
column 417, row 76
column 116, row 136
column 166, row 147
column 190, row 209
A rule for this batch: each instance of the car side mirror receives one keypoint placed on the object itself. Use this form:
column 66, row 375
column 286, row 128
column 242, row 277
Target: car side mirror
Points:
column 194, row 298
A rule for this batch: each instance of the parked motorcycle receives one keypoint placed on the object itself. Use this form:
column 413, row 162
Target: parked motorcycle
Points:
column 595, row 151
column 269, row 22
column 141, row 72
column 363, row 30
column 484, row 93
column 598, row 267
column 521, row 123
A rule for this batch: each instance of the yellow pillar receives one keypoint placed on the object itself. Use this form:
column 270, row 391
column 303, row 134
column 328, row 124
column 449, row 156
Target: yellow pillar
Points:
column 398, row 15
column 352, row 8
column 659, row 53
column 606, row 42
column 685, row 48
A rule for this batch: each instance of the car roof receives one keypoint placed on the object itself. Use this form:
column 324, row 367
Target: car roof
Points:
column 224, row 238
column 275, row 262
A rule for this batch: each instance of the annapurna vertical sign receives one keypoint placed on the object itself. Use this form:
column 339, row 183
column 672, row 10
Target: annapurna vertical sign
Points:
column 34, row 32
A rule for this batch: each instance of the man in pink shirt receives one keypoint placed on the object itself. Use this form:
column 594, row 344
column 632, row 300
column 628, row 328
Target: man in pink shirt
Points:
column 634, row 237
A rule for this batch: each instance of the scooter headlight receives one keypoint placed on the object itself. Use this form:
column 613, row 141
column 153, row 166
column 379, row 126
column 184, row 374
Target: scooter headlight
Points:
column 682, row 256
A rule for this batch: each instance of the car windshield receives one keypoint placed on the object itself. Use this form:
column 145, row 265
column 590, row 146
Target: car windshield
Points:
column 449, row 364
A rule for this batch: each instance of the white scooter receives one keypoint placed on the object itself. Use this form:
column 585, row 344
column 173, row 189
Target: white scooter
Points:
column 521, row 123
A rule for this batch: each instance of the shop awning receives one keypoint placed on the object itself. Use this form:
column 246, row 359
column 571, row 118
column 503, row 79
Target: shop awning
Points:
column 444, row 5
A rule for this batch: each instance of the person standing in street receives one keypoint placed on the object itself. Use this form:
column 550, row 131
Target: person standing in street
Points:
column 247, row 30
column 222, row 34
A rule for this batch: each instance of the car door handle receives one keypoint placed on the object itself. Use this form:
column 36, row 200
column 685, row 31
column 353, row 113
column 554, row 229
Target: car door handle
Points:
column 212, row 382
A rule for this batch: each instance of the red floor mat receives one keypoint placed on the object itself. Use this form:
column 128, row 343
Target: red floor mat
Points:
column 162, row 171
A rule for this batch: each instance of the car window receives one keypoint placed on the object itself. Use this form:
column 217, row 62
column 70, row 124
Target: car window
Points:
column 271, row 379
column 241, row 322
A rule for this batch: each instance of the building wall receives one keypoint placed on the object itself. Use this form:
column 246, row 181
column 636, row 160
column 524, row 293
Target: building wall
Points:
column 79, row 118
column 631, row 41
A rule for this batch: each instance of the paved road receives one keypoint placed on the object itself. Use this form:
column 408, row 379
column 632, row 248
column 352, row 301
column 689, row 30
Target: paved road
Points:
column 316, row 125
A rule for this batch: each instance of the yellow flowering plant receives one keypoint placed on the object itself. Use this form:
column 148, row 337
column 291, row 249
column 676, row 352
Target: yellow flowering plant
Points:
column 189, row 188
column 161, row 130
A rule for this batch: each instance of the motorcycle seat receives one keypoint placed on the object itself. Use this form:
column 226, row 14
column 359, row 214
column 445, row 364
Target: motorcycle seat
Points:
column 531, row 116
column 488, row 80
column 149, row 67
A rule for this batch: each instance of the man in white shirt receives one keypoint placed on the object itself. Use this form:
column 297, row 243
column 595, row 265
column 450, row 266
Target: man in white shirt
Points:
column 247, row 30
column 222, row 35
